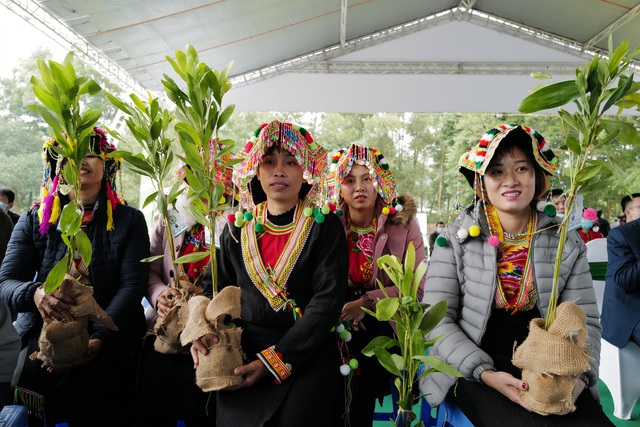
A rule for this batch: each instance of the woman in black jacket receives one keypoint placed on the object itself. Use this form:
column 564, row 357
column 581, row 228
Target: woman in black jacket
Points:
column 96, row 393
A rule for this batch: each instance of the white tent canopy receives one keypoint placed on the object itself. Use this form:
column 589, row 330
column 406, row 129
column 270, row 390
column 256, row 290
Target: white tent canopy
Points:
column 345, row 55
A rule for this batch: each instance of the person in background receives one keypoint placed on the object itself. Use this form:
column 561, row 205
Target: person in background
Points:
column 9, row 351
column 6, row 227
column 496, row 273
column 603, row 224
column 7, row 197
column 291, row 265
column 589, row 228
column 377, row 221
column 621, row 304
column 558, row 198
column 98, row 393
column 433, row 236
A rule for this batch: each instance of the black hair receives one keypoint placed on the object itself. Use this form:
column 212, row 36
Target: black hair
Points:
column 11, row 196
column 626, row 200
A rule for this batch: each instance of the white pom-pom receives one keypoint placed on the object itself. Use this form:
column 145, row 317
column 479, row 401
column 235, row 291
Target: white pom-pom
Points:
column 345, row 370
column 340, row 328
column 541, row 205
column 399, row 207
column 348, row 338
column 462, row 234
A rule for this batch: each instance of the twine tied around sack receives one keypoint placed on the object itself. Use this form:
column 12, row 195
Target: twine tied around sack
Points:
column 63, row 343
column 551, row 360
column 215, row 370
column 169, row 328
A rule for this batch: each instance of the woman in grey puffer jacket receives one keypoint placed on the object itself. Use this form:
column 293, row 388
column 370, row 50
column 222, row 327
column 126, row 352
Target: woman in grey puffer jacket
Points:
column 495, row 271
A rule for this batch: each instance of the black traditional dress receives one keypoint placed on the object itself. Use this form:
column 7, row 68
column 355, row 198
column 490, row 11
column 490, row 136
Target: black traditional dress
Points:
column 292, row 295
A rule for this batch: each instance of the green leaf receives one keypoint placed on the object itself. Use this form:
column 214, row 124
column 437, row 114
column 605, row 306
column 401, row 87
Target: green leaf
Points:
column 192, row 257
column 551, row 96
column 69, row 218
column 153, row 258
column 224, row 116
column 587, row 173
column 56, row 275
column 84, row 246
column 386, row 308
column 382, row 341
column 438, row 365
column 619, row 93
column 433, row 316
column 150, row 198
column 387, row 362
column 573, row 144
column 617, row 56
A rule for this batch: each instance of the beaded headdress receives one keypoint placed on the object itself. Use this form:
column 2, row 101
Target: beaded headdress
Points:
column 475, row 161
column 311, row 157
column 49, row 210
column 383, row 180
column 222, row 173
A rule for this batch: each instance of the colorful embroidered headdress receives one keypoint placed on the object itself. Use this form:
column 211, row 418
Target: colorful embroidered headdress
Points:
column 222, row 174
column 311, row 157
column 383, row 180
column 475, row 161
column 49, row 210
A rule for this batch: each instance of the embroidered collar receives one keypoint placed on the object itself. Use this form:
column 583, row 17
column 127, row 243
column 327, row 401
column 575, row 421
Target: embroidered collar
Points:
column 272, row 281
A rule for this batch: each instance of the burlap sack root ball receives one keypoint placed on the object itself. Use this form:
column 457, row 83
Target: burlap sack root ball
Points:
column 63, row 343
column 215, row 370
column 168, row 328
column 552, row 360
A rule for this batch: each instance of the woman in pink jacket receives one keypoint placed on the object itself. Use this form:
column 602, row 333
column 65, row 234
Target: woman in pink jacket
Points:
column 377, row 222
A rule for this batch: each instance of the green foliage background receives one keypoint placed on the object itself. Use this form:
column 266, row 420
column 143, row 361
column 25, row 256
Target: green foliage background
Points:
column 422, row 149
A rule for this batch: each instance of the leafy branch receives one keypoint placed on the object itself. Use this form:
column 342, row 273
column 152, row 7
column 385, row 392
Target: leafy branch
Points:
column 413, row 320
column 149, row 125
column 599, row 85
column 60, row 90
column 200, row 115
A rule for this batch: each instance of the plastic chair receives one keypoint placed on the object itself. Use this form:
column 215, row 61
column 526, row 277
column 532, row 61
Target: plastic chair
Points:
column 449, row 415
column 619, row 367
column 14, row 416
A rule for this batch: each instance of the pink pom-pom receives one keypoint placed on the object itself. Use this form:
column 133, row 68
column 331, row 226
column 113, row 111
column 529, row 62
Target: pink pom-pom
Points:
column 392, row 210
column 494, row 241
column 590, row 214
column 248, row 147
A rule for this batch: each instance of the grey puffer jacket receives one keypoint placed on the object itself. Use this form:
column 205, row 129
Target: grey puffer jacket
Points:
column 465, row 274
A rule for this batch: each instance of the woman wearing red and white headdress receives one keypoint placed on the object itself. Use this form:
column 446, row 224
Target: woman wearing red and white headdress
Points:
column 376, row 222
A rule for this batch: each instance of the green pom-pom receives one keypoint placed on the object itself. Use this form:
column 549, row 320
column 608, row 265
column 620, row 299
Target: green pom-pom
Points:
column 239, row 222
column 307, row 211
column 353, row 364
column 315, row 211
column 550, row 210
column 333, row 329
column 441, row 241
column 344, row 334
column 231, row 325
column 338, row 322
column 258, row 227
column 325, row 210
column 319, row 218
column 248, row 216
column 346, row 324
column 339, row 212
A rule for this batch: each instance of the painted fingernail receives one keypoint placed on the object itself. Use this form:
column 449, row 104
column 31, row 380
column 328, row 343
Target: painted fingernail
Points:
column 524, row 386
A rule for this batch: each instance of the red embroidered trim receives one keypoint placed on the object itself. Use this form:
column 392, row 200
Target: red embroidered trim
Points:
column 273, row 362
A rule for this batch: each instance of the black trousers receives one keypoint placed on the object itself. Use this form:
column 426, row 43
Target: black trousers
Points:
column 486, row 407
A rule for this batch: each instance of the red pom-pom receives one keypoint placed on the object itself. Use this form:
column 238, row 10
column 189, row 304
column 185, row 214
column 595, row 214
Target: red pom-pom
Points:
column 335, row 158
column 279, row 355
column 357, row 372
column 392, row 210
column 231, row 218
column 248, row 147
column 308, row 137
column 494, row 241
column 332, row 207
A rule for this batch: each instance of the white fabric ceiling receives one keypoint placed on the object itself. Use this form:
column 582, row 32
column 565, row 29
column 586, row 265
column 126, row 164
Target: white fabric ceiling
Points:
column 382, row 55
